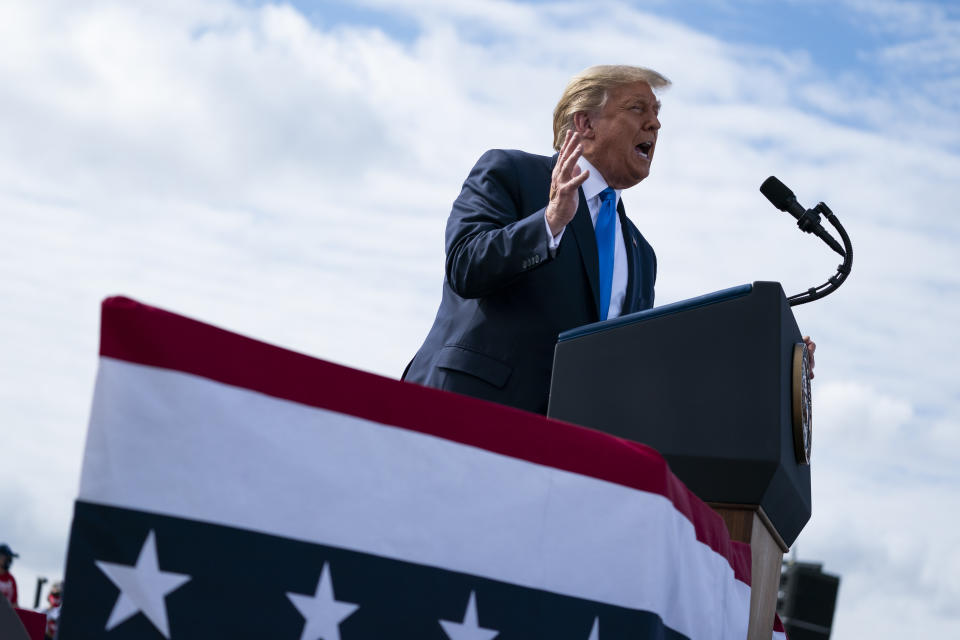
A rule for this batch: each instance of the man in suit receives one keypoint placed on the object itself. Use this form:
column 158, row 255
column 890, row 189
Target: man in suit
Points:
column 537, row 245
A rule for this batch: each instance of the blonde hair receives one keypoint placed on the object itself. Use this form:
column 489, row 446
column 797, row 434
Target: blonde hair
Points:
column 587, row 91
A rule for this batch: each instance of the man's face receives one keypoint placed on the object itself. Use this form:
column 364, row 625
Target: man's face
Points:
column 620, row 138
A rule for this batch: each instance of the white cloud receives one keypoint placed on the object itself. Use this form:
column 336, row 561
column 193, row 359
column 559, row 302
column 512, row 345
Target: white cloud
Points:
column 885, row 504
column 289, row 180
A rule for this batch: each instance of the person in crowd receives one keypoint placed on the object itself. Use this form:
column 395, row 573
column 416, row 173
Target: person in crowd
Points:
column 55, row 600
column 8, row 585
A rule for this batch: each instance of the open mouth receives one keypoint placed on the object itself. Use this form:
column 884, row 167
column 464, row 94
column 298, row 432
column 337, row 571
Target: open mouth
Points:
column 644, row 149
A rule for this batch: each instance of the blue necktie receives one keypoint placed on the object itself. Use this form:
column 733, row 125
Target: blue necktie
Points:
column 606, row 231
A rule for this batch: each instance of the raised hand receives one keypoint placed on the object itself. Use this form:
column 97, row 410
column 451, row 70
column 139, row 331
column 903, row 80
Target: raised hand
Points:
column 564, row 183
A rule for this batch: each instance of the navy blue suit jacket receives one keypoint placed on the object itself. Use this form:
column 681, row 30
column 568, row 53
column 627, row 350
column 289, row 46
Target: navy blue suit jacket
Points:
column 505, row 298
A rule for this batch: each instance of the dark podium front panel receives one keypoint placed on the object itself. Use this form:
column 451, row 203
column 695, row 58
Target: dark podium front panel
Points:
column 706, row 382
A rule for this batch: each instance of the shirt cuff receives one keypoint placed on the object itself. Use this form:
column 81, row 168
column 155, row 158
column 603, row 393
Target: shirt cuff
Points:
column 553, row 241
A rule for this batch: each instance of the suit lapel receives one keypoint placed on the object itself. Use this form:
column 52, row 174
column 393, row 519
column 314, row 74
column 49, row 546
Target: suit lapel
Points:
column 632, row 297
column 587, row 244
column 586, row 240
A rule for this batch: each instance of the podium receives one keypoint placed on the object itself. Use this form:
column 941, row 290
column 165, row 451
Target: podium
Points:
column 718, row 385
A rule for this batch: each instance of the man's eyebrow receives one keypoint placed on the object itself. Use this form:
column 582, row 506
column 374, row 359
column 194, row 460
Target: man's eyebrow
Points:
column 643, row 101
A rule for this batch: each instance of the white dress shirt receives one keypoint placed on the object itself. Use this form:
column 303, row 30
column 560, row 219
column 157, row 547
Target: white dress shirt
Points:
column 592, row 187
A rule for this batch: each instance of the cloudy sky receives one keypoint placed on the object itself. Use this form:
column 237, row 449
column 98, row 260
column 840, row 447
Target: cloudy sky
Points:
column 285, row 171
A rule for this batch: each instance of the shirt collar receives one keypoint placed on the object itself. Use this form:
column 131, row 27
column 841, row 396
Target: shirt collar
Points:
column 595, row 183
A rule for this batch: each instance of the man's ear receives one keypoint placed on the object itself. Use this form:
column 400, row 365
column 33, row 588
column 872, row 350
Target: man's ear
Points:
column 583, row 125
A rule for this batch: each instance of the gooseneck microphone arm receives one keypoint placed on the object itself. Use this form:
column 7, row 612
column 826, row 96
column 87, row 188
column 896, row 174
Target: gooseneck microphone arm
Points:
column 831, row 285
column 809, row 220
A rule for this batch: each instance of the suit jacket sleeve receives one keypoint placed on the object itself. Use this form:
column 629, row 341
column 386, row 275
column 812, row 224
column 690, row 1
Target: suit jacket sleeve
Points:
column 494, row 233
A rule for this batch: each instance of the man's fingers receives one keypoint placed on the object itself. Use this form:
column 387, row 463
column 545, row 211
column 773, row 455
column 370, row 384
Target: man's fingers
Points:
column 811, row 347
column 561, row 160
column 570, row 162
column 565, row 148
column 570, row 186
column 563, row 199
column 566, row 165
column 573, row 183
column 579, row 179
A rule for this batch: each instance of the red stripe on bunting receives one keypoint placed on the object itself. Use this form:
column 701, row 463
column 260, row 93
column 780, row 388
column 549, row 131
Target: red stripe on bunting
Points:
column 141, row 334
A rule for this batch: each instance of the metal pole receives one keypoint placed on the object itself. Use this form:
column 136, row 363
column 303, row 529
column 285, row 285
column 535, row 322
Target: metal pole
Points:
column 36, row 597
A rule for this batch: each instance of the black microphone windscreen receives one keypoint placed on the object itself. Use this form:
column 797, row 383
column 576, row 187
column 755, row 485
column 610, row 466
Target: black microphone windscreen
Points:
column 777, row 193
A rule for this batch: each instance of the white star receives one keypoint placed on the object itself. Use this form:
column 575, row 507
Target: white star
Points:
column 468, row 629
column 595, row 632
column 143, row 587
column 323, row 614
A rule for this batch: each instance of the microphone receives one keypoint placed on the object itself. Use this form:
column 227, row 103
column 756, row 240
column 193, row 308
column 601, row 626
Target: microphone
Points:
column 782, row 198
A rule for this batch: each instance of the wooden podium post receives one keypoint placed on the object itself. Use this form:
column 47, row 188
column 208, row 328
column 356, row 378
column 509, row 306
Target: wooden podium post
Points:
column 748, row 523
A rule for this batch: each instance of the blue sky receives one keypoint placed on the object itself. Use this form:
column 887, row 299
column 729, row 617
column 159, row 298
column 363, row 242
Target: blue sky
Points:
column 285, row 171
column 834, row 40
column 853, row 39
